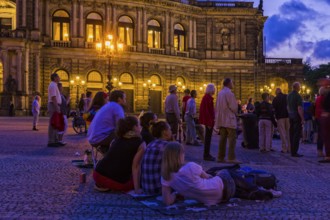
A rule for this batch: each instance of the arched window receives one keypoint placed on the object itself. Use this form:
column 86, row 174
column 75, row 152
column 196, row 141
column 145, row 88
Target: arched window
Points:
column 64, row 76
column 179, row 38
column 61, row 26
column 126, row 30
column 94, row 28
column 1, row 77
column 155, row 80
column 126, row 78
column 180, row 80
column 94, row 76
column 154, row 34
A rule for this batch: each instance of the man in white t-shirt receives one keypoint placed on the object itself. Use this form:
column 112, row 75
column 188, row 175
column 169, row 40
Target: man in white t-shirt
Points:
column 54, row 101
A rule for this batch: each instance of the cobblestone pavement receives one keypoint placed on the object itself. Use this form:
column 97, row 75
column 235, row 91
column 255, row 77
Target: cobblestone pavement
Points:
column 38, row 182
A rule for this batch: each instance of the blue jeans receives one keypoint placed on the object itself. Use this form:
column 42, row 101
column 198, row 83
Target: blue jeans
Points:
column 190, row 129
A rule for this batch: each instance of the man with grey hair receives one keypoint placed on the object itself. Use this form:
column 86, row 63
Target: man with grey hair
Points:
column 225, row 120
column 172, row 110
column 296, row 116
column 54, row 102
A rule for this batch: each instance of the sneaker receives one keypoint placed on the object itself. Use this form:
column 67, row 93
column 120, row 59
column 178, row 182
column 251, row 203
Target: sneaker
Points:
column 235, row 161
column 61, row 143
column 276, row 193
column 209, row 158
column 53, row 145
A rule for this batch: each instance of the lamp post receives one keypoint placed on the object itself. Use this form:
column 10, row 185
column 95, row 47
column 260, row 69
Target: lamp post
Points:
column 109, row 48
column 148, row 85
column 78, row 83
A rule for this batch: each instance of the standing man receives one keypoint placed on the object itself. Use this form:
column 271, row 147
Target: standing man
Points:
column 225, row 120
column 64, row 111
column 54, row 102
column 172, row 110
column 190, row 120
column 206, row 118
column 280, row 106
column 296, row 116
column 101, row 131
column 36, row 111
column 185, row 99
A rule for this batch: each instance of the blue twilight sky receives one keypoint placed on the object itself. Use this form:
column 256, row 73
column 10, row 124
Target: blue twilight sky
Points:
column 297, row 29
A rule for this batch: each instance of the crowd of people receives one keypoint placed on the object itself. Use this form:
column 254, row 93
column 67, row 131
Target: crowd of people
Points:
column 142, row 154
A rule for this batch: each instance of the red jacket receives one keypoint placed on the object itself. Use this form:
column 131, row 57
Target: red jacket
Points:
column 318, row 106
column 206, row 111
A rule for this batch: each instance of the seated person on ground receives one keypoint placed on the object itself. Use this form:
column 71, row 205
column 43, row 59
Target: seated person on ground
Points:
column 120, row 167
column 99, row 100
column 102, row 129
column 152, row 158
column 147, row 119
column 189, row 180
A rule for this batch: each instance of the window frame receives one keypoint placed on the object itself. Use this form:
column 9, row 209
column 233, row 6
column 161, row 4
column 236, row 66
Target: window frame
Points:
column 126, row 25
column 94, row 22
column 155, row 29
column 178, row 33
column 61, row 20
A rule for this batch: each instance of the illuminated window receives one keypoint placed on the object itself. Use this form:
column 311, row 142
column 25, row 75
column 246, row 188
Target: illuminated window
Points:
column 64, row 76
column 126, row 30
column 61, row 26
column 94, row 28
column 154, row 34
column 155, row 80
column 180, row 80
column 5, row 24
column 179, row 37
column 94, row 76
column 126, row 78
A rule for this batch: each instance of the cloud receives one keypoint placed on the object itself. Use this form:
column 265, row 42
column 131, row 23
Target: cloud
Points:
column 278, row 29
column 327, row 1
column 322, row 50
column 304, row 46
column 297, row 10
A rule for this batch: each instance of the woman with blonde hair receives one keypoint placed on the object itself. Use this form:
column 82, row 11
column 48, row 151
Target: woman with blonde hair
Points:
column 189, row 180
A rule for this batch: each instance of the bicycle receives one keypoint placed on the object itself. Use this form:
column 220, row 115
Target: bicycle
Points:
column 78, row 123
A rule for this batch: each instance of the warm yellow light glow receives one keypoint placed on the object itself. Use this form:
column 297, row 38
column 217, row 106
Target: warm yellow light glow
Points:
column 144, row 84
column 149, row 81
column 272, row 85
column 308, row 91
column 115, row 79
column 201, row 88
column 179, row 83
column 204, row 85
column 90, row 36
column 110, row 37
column 72, row 81
column 153, row 85
column 120, row 46
column 107, row 44
column 303, row 87
column 77, row 77
column 99, row 46
column 83, row 82
column 183, row 87
column 120, row 84
column 261, row 90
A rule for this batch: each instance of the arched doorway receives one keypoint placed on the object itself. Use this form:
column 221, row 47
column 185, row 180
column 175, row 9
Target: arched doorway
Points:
column 156, row 95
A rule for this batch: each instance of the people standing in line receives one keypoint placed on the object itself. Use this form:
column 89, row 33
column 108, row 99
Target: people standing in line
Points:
column 36, row 111
column 100, row 99
column 308, row 116
column 266, row 120
column 189, row 180
column 296, row 116
column 54, row 102
column 120, row 168
column 226, row 121
column 152, row 158
column 172, row 110
column 280, row 106
column 147, row 120
column 207, row 118
column 250, row 107
column 185, row 99
column 325, row 124
column 101, row 131
column 64, row 110
column 87, row 101
column 191, row 138
column 318, row 111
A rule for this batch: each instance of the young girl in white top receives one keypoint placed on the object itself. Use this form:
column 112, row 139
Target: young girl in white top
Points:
column 189, row 180
column 36, row 111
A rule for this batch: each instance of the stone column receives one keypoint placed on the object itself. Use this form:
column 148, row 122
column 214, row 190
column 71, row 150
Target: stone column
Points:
column 114, row 21
column 191, row 27
column 81, row 19
column 19, row 70
column 26, row 69
column 18, row 19
column 5, row 65
column 47, row 23
column 195, row 34
column 23, row 13
column 36, row 14
column 166, row 29
column 74, row 19
column 138, row 24
column 37, row 59
column 145, row 30
column 107, row 17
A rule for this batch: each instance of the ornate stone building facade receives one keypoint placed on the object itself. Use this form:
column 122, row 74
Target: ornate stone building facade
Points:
column 188, row 43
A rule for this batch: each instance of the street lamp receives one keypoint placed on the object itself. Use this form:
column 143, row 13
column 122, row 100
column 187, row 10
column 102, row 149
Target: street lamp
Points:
column 78, row 83
column 150, row 86
column 109, row 48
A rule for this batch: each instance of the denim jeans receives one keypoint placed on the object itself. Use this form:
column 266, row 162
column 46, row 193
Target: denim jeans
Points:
column 190, row 129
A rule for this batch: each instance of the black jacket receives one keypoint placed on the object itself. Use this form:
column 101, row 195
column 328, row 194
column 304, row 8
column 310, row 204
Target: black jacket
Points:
column 280, row 105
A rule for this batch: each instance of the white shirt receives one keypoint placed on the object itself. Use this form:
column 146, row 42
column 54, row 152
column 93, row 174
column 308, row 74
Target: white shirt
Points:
column 105, row 122
column 189, row 183
column 35, row 107
column 191, row 107
column 53, row 91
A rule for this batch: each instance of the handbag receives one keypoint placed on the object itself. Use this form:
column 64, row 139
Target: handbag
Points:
column 57, row 121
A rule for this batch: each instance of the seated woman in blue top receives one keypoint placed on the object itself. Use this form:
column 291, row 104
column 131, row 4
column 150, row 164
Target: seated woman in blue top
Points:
column 120, row 167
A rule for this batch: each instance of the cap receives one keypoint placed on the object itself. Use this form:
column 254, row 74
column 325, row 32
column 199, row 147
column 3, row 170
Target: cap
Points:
column 172, row 88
